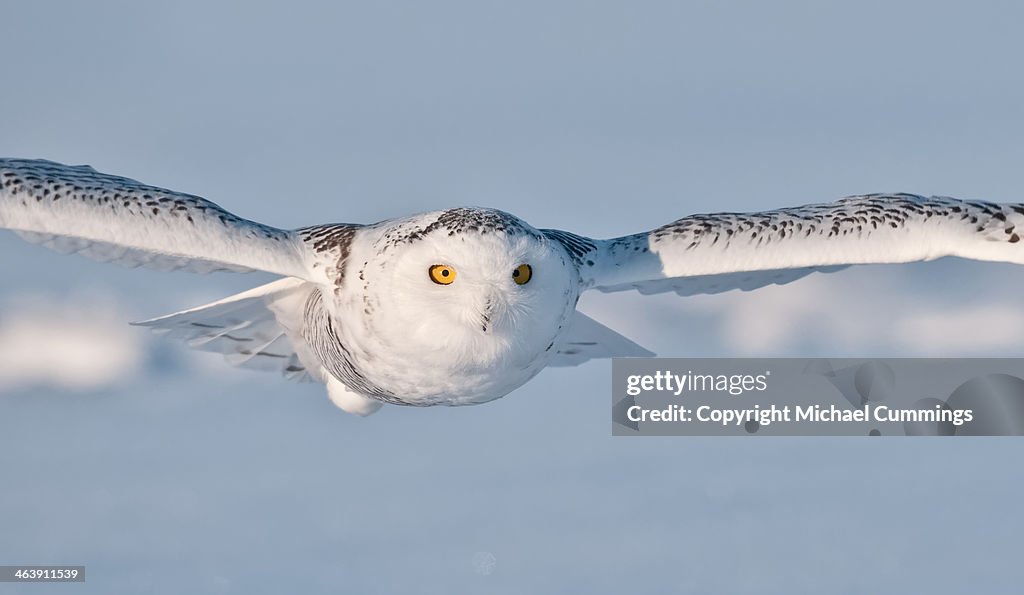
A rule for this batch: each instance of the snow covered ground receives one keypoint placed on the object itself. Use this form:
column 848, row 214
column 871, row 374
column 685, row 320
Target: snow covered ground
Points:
column 166, row 471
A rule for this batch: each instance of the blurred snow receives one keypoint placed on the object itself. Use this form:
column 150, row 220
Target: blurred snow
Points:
column 72, row 342
column 950, row 308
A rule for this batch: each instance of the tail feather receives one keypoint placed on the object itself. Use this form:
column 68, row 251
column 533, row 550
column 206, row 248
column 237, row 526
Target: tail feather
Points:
column 258, row 329
column 588, row 339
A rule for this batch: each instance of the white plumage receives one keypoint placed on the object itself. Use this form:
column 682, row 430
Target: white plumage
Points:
column 460, row 306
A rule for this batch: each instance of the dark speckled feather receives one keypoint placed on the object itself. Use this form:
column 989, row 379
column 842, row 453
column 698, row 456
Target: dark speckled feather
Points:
column 717, row 252
column 116, row 219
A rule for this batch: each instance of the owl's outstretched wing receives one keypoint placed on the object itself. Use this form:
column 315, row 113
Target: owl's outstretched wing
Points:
column 719, row 252
column 114, row 219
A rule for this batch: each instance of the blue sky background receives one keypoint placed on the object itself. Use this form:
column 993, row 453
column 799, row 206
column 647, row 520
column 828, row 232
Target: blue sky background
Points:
column 170, row 472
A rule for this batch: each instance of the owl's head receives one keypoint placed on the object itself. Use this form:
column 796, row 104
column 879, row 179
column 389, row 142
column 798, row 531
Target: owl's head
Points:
column 479, row 286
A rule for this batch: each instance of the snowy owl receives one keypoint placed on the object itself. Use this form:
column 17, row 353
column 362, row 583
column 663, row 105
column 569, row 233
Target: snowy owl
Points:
column 460, row 306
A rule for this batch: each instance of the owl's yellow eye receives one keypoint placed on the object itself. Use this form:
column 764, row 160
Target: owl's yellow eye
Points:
column 442, row 274
column 522, row 274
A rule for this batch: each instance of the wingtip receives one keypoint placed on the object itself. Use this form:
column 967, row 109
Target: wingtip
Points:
column 640, row 351
column 152, row 322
